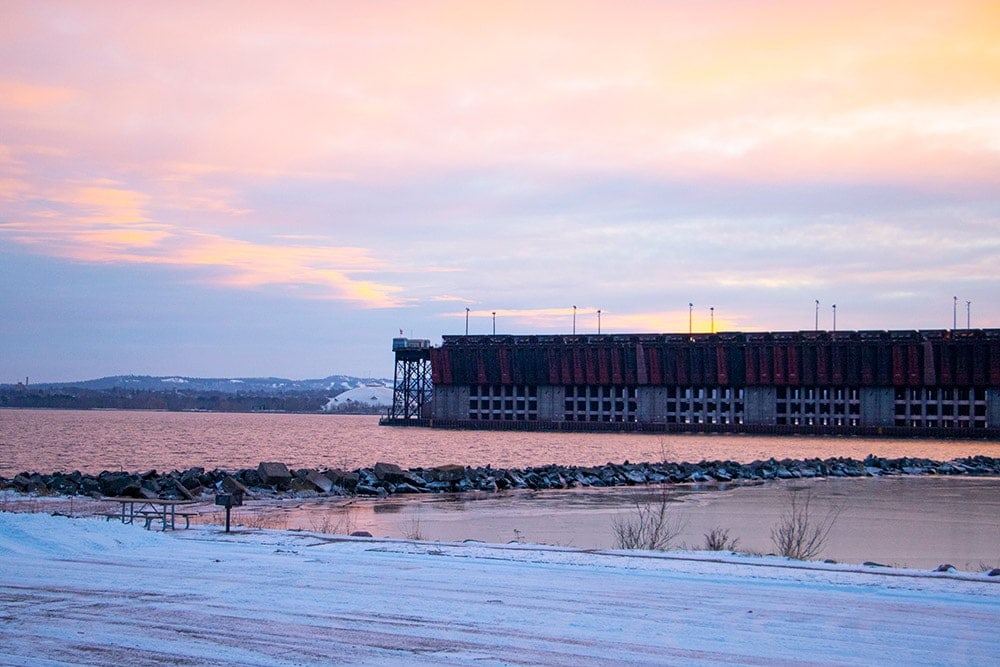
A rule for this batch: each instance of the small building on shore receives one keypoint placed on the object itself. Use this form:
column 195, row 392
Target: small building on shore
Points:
column 939, row 383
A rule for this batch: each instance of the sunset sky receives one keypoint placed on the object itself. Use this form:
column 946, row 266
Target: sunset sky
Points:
column 252, row 189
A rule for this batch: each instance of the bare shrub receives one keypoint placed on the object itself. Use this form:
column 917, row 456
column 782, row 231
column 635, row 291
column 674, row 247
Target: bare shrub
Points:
column 649, row 525
column 258, row 519
column 321, row 524
column 799, row 533
column 334, row 523
column 413, row 532
column 982, row 566
column 718, row 539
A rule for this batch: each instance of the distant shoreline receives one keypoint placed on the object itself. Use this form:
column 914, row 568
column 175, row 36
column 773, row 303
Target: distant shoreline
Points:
column 332, row 413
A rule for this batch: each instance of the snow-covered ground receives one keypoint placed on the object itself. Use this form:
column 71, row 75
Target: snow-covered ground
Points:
column 368, row 396
column 87, row 591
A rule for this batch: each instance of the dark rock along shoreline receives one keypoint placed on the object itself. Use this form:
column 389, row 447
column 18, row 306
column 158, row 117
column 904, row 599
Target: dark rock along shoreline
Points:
column 272, row 479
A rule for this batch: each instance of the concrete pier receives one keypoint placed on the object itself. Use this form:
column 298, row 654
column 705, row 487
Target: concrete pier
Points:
column 913, row 382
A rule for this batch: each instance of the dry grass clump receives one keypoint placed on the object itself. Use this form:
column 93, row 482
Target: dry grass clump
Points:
column 718, row 539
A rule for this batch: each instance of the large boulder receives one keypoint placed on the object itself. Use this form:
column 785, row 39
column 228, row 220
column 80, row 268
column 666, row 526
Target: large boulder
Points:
column 149, row 487
column 173, row 487
column 64, row 484
column 274, row 474
column 90, row 485
column 446, row 473
column 635, row 477
column 319, row 480
column 21, row 482
column 347, row 480
column 388, row 472
column 301, row 487
column 233, row 486
column 119, row 484
column 405, row 488
column 191, row 479
column 248, row 477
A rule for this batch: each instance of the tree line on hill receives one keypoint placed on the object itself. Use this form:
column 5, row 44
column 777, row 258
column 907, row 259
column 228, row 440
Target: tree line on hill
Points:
column 173, row 400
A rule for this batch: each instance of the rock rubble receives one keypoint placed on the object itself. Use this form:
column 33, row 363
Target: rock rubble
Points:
column 274, row 479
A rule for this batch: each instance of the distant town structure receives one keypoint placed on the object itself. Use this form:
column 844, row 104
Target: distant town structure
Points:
column 942, row 383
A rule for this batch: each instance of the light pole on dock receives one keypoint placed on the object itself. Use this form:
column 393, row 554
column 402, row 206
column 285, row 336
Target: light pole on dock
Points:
column 817, row 314
column 711, row 310
column 574, row 320
column 690, row 316
column 954, row 312
column 968, row 314
column 834, row 317
column 466, row 320
column 598, row 321
column 494, row 323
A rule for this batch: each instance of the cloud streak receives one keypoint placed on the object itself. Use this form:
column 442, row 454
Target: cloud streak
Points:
column 102, row 223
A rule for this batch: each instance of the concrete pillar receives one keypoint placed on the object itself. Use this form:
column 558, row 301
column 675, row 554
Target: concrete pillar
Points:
column 651, row 405
column 759, row 405
column 993, row 408
column 878, row 406
column 450, row 402
column 551, row 403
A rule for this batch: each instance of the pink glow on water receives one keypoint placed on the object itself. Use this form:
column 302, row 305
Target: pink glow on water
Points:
column 91, row 441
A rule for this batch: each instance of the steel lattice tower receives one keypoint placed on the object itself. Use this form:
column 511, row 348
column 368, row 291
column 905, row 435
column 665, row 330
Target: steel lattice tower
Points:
column 412, row 385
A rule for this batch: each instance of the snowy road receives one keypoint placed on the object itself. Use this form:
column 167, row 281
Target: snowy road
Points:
column 91, row 592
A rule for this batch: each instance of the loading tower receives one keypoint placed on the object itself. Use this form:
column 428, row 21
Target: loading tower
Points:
column 412, row 387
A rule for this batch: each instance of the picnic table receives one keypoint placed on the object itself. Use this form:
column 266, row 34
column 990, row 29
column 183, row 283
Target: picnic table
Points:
column 151, row 510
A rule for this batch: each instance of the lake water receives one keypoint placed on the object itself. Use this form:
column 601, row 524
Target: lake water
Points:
column 916, row 522
column 95, row 440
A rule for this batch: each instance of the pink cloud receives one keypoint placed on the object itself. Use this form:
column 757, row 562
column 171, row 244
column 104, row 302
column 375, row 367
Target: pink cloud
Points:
column 22, row 96
column 377, row 89
column 101, row 222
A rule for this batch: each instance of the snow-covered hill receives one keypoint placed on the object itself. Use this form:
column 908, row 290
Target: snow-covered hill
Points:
column 266, row 385
column 369, row 396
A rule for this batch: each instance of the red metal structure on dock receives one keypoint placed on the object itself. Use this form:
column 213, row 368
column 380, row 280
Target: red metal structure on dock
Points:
column 932, row 382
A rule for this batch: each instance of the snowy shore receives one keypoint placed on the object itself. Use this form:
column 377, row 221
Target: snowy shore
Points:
column 86, row 591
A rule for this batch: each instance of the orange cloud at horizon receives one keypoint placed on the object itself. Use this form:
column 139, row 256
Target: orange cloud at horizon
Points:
column 104, row 223
column 560, row 320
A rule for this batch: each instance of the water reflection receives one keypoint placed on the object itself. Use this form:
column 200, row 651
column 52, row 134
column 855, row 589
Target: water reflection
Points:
column 387, row 508
column 913, row 522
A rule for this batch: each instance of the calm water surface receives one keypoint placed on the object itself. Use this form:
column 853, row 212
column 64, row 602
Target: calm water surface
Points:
column 95, row 440
column 898, row 521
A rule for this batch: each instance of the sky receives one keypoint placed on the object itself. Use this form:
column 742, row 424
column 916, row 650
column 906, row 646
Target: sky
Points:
column 255, row 189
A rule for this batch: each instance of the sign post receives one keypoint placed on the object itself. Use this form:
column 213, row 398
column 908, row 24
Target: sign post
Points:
column 229, row 501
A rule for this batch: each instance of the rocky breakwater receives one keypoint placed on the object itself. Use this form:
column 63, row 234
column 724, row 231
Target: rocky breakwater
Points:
column 270, row 479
